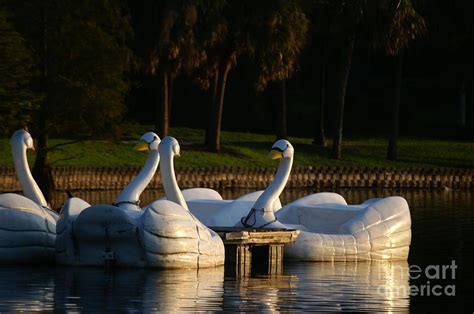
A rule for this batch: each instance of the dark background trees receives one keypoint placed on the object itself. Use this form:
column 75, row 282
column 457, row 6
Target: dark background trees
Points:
column 437, row 69
column 17, row 70
column 284, row 67
column 429, row 88
column 81, row 56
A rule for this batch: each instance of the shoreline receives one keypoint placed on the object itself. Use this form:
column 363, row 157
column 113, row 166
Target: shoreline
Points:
column 221, row 177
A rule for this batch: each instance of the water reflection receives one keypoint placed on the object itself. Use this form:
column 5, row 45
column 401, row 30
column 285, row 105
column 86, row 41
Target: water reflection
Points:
column 305, row 286
column 139, row 290
column 261, row 293
column 442, row 225
column 26, row 289
column 367, row 286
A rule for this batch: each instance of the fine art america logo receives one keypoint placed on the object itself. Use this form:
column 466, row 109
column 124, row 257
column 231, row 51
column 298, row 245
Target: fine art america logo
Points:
column 432, row 280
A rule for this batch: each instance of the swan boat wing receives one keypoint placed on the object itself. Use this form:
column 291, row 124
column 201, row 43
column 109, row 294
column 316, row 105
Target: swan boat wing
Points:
column 375, row 230
column 162, row 235
column 27, row 231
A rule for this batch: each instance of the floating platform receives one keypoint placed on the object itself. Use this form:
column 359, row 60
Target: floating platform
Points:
column 251, row 250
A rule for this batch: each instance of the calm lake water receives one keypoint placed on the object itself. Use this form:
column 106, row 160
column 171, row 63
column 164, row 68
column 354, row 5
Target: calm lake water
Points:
column 442, row 225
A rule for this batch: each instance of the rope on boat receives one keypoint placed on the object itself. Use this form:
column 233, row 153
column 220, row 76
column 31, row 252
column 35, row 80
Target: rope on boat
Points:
column 252, row 213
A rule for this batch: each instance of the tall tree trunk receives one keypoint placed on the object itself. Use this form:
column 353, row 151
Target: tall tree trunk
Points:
column 397, row 85
column 320, row 136
column 165, row 106
column 214, row 143
column 162, row 104
column 41, row 170
column 342, row 70
column 281, row 129
column 214, row 88
column 462, row 101
column 170, row 96
column 157, row 89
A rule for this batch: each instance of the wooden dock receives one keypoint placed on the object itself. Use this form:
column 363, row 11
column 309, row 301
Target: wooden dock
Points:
column 250, row 250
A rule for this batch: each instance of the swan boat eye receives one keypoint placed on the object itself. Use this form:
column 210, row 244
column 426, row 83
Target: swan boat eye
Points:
column 154, row 139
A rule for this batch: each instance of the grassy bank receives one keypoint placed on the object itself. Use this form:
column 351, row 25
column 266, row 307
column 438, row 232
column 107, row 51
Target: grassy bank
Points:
column 250, row 150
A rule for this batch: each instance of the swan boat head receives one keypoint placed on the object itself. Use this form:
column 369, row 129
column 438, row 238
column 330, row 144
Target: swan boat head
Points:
column 262, row 214
column 281, row 149
column 129, row 198
column 148, row 142
column 22, row 138
column 169, row 148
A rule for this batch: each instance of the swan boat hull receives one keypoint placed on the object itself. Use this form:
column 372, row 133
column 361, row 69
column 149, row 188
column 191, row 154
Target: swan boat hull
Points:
column 331, row 230
column 162, row 235
column 27, row 231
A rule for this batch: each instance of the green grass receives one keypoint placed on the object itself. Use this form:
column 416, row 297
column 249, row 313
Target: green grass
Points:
column 250, row 150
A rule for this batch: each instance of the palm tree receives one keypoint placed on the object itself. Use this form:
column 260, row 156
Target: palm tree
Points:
column 270, row 32
column 404, row 26
column 391, row 24
column 281, row 34
column 170, row 40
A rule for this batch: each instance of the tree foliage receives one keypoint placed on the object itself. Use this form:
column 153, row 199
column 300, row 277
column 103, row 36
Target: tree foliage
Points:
column 271, row 33
column 81, row 54
column 281, row 30
column 394, row 25
column 16, row 71
column 171, row 38
column 170, row 48
column 81, row 57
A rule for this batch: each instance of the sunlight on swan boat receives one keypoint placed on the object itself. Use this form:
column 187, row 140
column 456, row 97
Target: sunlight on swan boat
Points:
column 128, row 199
column 164, row 234
column 331, row 230
column 27, row 225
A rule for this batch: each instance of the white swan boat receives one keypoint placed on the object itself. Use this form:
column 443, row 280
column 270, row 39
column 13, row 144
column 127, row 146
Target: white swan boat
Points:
column 164, row 234
column 331, row 230
column 27, row 225
column 128, row 199
column 209, row 207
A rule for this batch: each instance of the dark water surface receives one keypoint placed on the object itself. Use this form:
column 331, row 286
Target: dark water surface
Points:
column 442, row 225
